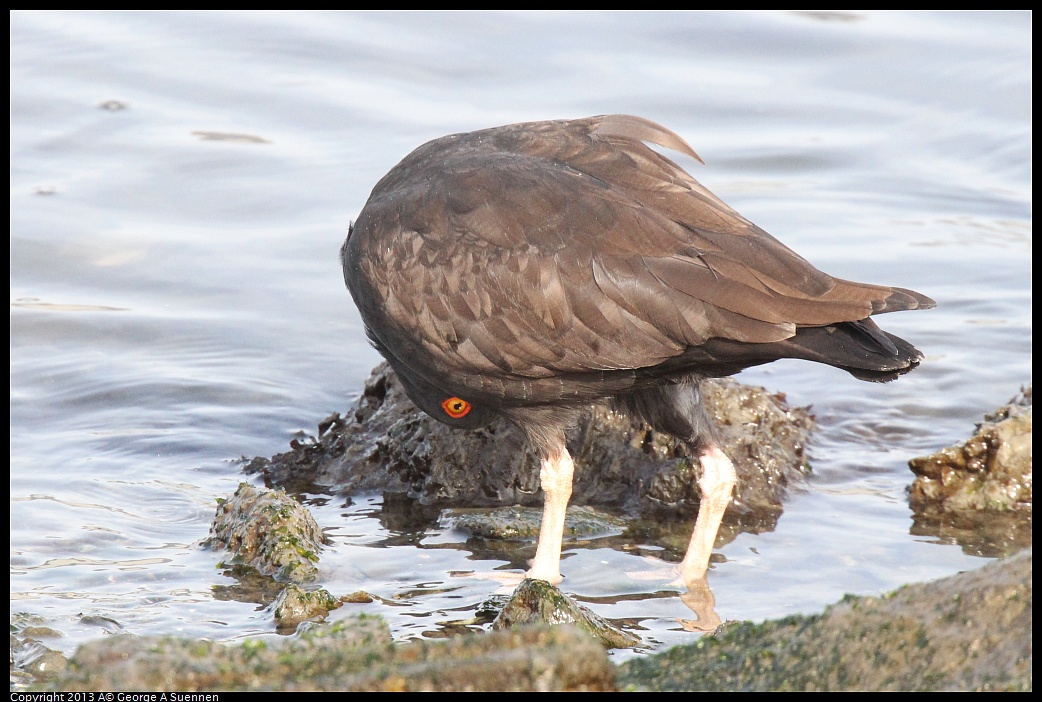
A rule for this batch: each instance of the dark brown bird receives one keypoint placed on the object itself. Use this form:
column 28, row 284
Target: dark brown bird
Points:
column 534, row 269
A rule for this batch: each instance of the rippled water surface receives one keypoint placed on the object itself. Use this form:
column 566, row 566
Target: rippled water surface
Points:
column 181, row 184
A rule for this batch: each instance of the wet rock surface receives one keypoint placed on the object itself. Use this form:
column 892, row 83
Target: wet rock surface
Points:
column 385, row 444
column 971, row 631
column 978, row 493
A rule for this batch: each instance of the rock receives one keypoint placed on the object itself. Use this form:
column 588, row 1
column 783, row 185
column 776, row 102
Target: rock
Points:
column 979, row 492
column 971, row 631
column 31, row 661
column 385, row 444
column 296, row 605
column 538, row 601
column 268, row 531
column 353, row 655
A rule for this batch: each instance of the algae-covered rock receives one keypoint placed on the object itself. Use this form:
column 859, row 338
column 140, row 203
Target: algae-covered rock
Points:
column 538, row 601
column 971, row 631
column 295, row 605
column 353, row 655
column 268, row 531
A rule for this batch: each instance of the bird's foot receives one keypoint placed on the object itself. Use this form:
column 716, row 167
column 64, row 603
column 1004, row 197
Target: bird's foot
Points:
column 553, row 577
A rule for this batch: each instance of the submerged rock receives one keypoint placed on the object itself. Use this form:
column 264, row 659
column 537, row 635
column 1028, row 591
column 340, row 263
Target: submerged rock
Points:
column 971, row 631
column 514, row 523
column 979, row 492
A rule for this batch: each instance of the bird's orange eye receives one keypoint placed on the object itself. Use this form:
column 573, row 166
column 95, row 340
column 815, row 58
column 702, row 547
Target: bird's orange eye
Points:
column 456, row 408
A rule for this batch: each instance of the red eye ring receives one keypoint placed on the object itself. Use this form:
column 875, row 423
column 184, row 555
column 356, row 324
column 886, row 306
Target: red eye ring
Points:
column 456, row 408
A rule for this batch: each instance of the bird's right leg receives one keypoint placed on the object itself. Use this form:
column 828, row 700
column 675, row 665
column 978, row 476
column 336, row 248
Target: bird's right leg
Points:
column 677, row 409
column 555, row 475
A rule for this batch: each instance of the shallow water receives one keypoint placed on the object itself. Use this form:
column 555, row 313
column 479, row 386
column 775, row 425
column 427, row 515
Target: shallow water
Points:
column 181, row 184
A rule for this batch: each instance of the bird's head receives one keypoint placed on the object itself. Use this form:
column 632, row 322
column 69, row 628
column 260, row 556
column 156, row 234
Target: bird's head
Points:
column 443, row 405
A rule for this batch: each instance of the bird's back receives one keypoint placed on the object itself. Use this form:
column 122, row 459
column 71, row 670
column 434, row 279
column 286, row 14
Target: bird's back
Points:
column 566, row 261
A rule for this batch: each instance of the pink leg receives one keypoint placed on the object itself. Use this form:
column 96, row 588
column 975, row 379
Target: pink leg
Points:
column 718, row 479
column 556, row 479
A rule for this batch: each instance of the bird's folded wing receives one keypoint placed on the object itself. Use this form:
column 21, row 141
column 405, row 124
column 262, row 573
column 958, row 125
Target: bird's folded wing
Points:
column 579, row 249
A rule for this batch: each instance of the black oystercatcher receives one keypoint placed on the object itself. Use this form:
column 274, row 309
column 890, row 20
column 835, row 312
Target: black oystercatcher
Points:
column 531, row 270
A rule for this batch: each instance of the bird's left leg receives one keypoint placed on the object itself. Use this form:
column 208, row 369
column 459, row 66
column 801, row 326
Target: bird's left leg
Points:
column 717, row 481
column 555, row 475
